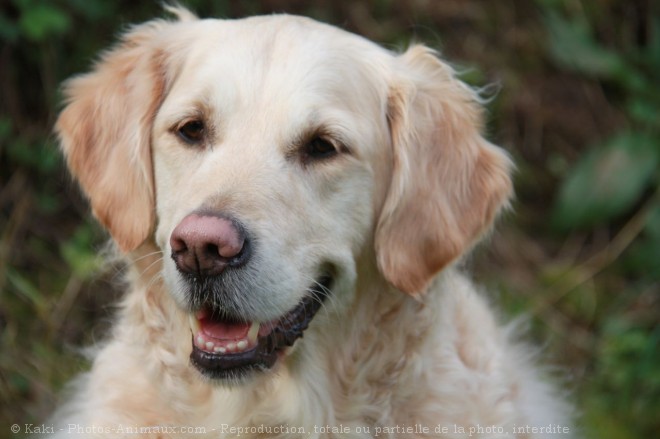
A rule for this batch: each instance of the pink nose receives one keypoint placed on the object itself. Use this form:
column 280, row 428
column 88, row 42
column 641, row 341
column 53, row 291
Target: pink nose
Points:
column 205, row 245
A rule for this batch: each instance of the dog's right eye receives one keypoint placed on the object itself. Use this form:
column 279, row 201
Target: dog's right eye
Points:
column 318, row 149
column 192, row 132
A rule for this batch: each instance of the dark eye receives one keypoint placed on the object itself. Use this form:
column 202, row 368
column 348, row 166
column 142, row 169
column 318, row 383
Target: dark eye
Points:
column 319, row 149
column 192, row 131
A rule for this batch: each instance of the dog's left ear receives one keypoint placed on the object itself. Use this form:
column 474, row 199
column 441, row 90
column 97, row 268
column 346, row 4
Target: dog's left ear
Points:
column 105, row 131
column 447, row 184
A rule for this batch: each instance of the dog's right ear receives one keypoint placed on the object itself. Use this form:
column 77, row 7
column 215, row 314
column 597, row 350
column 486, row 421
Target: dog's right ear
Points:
column 448, row 183
column 105, row 130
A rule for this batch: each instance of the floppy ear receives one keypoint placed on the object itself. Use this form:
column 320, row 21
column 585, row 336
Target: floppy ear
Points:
column 448, row 183
column 105, row 129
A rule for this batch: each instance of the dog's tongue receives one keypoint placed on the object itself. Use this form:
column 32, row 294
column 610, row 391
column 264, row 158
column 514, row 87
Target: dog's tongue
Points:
column 222, row 330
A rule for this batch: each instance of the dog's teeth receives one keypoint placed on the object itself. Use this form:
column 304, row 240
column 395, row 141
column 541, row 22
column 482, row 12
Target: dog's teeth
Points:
column 253, row 332
column 219, row 346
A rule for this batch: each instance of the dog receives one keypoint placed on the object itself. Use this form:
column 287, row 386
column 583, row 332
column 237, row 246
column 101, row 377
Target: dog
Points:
column 292, row 200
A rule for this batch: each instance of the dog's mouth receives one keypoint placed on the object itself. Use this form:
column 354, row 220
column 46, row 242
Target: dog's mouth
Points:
column 228, row 348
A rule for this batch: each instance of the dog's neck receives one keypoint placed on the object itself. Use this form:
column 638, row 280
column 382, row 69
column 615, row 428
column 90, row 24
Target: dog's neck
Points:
column 369, row 348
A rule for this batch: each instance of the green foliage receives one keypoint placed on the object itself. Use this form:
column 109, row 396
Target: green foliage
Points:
column 5, row 129
column 627, row 369
column 80, row 253
column 42, row 21
column 572, row 45
column 614, row 176
column 47, row 250
column 37, row 21
column 607, row 181
column 643, row 259
column 616, row 181
column 39, row 155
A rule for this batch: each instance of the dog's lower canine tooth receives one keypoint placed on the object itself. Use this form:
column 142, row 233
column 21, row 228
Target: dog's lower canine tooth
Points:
column 253, row 332
column 194, row 324
column 241, row 345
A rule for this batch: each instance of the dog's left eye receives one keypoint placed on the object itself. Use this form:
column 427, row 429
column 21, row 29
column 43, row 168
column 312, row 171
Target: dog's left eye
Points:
column 318, row 149
column 192, row 131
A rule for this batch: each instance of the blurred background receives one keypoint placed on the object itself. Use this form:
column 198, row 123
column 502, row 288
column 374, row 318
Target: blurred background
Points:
column 575, row 95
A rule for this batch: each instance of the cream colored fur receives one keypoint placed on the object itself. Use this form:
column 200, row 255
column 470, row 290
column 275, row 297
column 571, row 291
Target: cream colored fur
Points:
column 405, row 340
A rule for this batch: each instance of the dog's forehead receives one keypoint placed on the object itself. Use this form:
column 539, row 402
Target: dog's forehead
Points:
column 274, row 40
column 279, row 56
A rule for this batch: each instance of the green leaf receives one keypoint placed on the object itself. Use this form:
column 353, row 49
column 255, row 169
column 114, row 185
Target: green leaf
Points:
column 644, row 110
column 572, row 45
column 42, row 21
column 607, row 181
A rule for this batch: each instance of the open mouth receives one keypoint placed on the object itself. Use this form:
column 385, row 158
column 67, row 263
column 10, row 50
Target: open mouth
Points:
column 227, row 348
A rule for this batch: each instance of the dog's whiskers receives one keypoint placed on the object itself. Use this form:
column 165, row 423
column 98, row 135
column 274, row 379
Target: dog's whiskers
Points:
column 148, row 268
column 319, row 289
column 121, row 266
column 148, row 255
column 157, row 277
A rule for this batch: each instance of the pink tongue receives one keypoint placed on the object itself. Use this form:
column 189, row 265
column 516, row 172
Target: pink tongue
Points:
column 223, row 330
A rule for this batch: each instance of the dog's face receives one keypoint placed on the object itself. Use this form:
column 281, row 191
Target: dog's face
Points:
column 267, row 158
column 262, row 146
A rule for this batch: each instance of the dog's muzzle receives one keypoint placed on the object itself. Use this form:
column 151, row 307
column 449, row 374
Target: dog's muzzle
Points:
column 208, row 249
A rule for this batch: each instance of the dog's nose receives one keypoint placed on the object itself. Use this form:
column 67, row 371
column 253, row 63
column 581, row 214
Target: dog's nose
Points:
column 205, row 245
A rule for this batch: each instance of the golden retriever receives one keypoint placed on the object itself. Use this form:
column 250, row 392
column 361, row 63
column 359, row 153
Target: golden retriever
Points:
column 271, row 178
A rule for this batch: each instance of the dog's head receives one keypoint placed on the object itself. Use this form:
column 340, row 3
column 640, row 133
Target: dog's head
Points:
column 266, row 157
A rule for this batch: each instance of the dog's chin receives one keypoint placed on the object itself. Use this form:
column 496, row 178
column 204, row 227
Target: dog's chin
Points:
column 230, row 349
